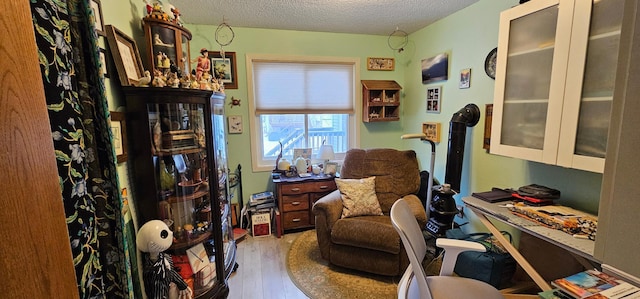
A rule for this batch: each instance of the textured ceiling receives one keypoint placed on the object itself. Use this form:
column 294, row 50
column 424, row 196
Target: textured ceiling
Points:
column 344, row 16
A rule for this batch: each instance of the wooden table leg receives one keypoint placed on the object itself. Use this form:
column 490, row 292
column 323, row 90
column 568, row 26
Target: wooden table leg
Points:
column 542, row 284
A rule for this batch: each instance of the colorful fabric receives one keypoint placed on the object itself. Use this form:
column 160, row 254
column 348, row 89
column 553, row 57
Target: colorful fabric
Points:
column 68, row 56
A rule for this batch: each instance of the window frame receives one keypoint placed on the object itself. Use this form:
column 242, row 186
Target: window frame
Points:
column 257, row 162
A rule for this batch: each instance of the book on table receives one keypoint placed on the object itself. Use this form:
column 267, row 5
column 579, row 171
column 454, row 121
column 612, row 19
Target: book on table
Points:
column 594, row 284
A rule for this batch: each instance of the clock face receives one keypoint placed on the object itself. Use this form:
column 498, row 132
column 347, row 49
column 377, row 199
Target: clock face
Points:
column 490, row 63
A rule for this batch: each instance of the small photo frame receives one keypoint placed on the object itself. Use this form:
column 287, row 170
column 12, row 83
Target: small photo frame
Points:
column 435, row 68
column 224, row 68
column 465, row 78
column 98, row 20
column 125, row 55
column 380, row 64
column 434, row 94
column 235, row 124
column 119, row 132
column 432, row 130
column 330, row 168
column 103, row 63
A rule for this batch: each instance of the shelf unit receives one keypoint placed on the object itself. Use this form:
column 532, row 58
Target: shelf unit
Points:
column 380, row 100
column 179, row 159
column 171, row 39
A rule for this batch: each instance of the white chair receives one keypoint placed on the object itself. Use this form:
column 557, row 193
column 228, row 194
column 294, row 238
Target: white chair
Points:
column 415, row 283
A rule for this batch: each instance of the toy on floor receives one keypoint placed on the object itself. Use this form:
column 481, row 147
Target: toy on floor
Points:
column 160, row 277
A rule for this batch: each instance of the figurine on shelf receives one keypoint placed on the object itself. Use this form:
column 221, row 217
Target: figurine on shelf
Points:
column 173, row 80
column 159, row 79
column 204, row 65
column 159, row 274
column 144, row 80
column 176, row 16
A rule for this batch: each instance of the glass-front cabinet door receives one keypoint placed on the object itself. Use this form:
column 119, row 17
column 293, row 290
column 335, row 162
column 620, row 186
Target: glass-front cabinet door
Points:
column 554, row 81
column 588, row 96
column 180, row 165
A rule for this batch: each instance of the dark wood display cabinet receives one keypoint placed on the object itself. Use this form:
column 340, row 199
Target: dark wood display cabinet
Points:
column 179, row 157
column 380, row 100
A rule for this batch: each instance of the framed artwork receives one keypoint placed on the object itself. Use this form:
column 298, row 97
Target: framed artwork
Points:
column 98, row 21
column 434, row 94
column 103, row 63
column 465, row 78
column 119, row 132
column 331, row 168
column 432, row 130
column 224, row 68
column 125, row 55
column 235, row 124
column 380, row 64
column 435, row 68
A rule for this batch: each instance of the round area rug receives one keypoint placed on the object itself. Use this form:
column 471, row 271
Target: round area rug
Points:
column 318, row 279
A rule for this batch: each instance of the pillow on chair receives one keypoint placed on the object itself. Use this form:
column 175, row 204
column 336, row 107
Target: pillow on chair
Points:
column 359, row 197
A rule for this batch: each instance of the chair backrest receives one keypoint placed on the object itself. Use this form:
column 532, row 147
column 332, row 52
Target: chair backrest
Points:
column 397, row 172
column 407, row 226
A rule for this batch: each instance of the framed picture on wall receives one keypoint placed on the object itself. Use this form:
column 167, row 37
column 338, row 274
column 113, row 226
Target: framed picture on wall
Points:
column 98, row 21
column 380, row 64
column 432, row 130
column 125, row 55
column 119, row 132
column 434, row 94
column 435, row 68
column 465, row 78
column 224, row 68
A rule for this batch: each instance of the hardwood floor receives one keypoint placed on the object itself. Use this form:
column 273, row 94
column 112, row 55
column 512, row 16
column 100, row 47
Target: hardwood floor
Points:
column 262, row 271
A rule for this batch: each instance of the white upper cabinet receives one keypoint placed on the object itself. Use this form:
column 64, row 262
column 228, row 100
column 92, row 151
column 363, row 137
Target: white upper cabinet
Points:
column 554, row 81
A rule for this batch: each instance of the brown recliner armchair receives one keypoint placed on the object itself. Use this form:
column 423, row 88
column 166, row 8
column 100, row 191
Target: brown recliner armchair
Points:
column 370, row 243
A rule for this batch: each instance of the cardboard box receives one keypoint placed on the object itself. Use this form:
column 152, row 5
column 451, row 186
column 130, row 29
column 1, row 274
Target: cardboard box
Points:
column 261, row 224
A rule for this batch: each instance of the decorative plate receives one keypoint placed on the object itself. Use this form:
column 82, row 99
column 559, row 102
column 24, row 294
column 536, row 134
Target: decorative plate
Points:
column 490, row 63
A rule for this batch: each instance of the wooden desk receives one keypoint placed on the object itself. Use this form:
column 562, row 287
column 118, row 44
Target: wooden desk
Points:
column 296, row 197
column 580, row 247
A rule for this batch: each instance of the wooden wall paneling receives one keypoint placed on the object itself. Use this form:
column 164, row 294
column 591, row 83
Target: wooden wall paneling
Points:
column 35, row 254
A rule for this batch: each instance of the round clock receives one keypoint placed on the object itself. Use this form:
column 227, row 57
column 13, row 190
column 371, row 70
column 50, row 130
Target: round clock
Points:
column 490, row 63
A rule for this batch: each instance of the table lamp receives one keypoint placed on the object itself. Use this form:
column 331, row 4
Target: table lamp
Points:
column 326, row 153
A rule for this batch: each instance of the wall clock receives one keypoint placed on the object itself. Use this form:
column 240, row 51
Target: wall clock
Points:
column 490, row 63
column 235, row 124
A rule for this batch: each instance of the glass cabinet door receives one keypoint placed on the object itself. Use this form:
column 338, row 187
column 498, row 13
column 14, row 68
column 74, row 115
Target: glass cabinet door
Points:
column 532, row 54
column 589, row 97
column 181, row 167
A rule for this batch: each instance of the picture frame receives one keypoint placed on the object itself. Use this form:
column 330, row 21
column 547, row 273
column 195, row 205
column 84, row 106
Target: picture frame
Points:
column 432, row 130
column 235, row 124
column 435, row 68
column 331, row 168
column 380, row 64
column 434, row 96
column 96, row 7
column 125, row 55
column 465, row 78
column 103, row 62
column 224, row 68
column 119, row 132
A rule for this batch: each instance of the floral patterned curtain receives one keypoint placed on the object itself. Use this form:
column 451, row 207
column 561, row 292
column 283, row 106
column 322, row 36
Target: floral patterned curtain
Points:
column 79, row 116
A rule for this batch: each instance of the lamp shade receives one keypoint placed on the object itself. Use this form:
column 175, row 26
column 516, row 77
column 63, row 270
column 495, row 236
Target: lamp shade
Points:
column 326, row 152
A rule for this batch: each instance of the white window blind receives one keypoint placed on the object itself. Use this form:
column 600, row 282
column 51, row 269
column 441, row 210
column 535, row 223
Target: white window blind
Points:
column 301, row 88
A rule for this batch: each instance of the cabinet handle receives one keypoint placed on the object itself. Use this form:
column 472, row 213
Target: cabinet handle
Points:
column 324, row 187
column 295, row 220
column 295, row 203
column 295, row 189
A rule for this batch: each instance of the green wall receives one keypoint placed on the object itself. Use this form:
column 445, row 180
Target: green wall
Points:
column 466, row 36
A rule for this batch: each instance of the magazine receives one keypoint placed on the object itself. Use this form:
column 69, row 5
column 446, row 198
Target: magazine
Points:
column 594, row 284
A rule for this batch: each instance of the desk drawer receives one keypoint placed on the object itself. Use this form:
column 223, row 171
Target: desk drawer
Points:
column 308, row 187
column 296, row 219
column 295, row 202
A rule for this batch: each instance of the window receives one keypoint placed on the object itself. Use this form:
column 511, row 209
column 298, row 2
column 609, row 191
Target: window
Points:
column 300, row 103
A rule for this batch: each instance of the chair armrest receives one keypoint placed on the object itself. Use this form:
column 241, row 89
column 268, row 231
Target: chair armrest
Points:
column 329, row 207
column 417, row 208
column 452, row 248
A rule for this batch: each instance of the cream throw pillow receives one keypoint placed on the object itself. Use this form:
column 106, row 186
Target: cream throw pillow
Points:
column 359, row 197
